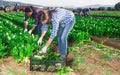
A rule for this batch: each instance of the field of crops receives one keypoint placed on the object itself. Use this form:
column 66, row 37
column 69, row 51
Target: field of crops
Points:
column 106, row 13
column 90, row 58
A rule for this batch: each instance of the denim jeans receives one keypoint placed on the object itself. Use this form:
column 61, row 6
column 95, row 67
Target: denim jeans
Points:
column 40, row 27
column 62, row 36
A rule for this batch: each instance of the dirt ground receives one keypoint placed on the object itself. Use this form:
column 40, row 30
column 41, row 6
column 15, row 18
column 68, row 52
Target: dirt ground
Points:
column 8, row 66
column 92, row 66
column 92, row 62
column 106, row 41
column 97, row 66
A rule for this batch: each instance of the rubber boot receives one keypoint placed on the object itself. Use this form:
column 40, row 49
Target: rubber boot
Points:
column 63, row 60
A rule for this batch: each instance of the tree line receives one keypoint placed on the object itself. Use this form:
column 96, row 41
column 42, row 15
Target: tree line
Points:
column 116, row 7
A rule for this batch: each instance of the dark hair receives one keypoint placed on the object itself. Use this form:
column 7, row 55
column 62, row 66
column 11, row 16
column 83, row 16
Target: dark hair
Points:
column 29, row 9
column 41, row 16
column 51, row 11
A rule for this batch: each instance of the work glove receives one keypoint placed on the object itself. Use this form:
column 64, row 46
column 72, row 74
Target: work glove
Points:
column 40, row 41
column 43, row 50
column 25, row 30
column 26, row 22
column 30, row 31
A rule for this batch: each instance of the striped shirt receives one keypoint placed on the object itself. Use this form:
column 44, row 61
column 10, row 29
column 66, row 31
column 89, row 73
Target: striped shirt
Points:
column 60, row 18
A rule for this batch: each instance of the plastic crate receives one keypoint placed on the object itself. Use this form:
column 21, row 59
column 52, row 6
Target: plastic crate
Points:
column 37, row 64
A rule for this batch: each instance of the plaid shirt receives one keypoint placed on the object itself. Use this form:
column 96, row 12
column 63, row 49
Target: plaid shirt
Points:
column 60, row 18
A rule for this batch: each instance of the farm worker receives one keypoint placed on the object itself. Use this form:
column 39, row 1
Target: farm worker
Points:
column 62, row 21
column 79, row 11
column 16, row 7
column 33, row 12
column 85, row 11
column 82, row 12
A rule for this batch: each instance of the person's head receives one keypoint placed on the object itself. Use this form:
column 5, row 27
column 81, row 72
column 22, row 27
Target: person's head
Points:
column 29, row 10
column 43, row 16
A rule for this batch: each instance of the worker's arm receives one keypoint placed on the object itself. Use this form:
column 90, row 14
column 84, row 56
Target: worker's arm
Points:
column 55, row 24
column 35, row 24
column 25, row 22
column 41, row 37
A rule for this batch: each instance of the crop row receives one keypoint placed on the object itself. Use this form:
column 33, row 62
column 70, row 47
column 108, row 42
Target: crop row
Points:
column 21, row 45
column 99, row 26
column 19, row 21
column 18, row 44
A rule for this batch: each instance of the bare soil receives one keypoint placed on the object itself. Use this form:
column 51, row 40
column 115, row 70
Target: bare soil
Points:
column 94, row 64
column 8, row 65
column 107, row 41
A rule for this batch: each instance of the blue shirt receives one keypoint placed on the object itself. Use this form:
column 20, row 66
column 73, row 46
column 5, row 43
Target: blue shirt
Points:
column 59, row 19
column 78, row 10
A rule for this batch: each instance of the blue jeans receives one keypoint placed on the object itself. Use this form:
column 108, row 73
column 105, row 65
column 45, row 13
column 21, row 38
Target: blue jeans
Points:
column 40, row 27
column 17, row 10
column 62, row 37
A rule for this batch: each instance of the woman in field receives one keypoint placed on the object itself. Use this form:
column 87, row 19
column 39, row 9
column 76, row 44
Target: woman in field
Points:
column 62, row 21
column 33, row 12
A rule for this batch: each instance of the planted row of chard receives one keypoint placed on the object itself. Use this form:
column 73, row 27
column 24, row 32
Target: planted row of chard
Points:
column 76, row 35
column 106, row 13
column 99, row 26
column 17, row 43
column 20, row 45
column 95, row 26
column 17, row 20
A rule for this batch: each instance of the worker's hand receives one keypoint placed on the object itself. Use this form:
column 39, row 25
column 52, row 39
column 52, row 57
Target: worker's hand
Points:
column 40, row 41
column 30, row 31
column 25, row 30
column 44, row 49
column 26, row 22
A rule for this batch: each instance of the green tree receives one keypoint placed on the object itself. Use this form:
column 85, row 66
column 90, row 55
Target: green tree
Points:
column 101, row 8
column 117, row 6
column 109, row 8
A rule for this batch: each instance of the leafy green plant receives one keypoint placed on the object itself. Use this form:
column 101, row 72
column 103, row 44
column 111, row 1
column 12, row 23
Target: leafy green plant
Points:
column 88, row 52
column 3, row 51
column 9, row 71
column 99, row 27
column 19, row 44
column 63, row 70
column 52, row 56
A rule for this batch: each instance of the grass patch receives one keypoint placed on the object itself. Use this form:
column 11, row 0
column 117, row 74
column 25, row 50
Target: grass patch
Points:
column 105, row 13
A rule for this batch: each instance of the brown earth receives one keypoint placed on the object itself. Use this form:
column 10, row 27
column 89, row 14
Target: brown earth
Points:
column 55, row 49
column 96, row 66
column 96, row 61
column 70, row 57
column 107, row 41
column 9, row 64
